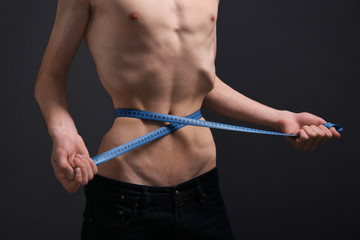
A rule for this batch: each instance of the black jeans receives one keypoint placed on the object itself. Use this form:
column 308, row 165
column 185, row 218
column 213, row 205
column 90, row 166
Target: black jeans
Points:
column 191, row 210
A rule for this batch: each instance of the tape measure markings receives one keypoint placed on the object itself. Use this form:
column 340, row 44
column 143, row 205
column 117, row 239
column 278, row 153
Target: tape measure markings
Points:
column 140, row 141
column 176, row 123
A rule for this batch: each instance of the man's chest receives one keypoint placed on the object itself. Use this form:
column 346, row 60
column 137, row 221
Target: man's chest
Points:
column 187, row 15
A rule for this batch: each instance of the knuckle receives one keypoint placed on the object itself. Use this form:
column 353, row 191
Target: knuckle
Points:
column 306, row 128
column 63, row 167
column 312, row 133
column 79, row 163
column 60, row 152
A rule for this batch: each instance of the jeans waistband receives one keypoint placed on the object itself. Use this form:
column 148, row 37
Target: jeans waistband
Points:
column 109, row 190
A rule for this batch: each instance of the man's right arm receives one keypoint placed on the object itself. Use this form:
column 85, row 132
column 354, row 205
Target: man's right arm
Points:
column 69, row 156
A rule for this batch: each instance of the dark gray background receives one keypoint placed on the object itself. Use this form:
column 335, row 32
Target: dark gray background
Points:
column 301, row 55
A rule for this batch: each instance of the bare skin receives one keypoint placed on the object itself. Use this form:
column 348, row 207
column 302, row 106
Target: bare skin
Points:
column 155, row 55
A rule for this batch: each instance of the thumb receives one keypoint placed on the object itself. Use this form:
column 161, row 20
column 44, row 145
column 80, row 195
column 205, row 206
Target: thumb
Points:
column 75, row 181
column 77, row 176
column 66, row 169
column 62, row 167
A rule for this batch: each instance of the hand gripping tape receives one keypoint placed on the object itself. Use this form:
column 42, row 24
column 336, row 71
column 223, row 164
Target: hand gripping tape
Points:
column 175, row 124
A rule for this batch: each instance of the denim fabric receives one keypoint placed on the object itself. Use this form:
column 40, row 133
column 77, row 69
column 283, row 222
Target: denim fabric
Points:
column 191, row 210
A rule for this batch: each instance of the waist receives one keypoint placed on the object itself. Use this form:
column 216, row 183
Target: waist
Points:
column 178, row 156
column 111, row 191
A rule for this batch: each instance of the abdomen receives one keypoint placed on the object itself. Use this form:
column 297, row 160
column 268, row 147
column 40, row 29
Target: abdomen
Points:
column 173, row 159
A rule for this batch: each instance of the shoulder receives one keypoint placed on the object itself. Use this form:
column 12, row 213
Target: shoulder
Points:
column 73, row 3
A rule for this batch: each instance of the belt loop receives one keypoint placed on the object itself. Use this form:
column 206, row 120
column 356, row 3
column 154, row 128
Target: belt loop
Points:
column 199, row 188
column 146, row 196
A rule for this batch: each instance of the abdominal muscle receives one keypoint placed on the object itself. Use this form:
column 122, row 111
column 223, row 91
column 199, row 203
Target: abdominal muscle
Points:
column 170, row 160
column 175, row 158
column 147, row 63
column 174, row 88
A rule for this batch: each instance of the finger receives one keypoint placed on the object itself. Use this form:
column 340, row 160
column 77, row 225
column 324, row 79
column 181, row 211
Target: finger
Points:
column 64, row 167
column 78, row 178
column 309, row 141
column 319, row 138
column 93, row 166
column 74, row 175
column 335, row 133
column 75, row 183
column 301, row 141
column 313, row 137
column 83, row 168
column 85, row 159
column 89, row 169
column 327, row 132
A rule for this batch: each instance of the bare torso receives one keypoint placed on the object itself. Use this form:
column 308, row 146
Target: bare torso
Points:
column 155, row 55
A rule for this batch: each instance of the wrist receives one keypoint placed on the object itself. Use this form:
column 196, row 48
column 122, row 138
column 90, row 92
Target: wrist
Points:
column 60, row 125
column 57, row 132
column 282, row 119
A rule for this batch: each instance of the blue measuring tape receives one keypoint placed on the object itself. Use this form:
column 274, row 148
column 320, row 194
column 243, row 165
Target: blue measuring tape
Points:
column 175, row 124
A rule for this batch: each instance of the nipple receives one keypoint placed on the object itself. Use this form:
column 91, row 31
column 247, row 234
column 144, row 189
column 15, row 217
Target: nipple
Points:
column 133, row 16
column 212, row 17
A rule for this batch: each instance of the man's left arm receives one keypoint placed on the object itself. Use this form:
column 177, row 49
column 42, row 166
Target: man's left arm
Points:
column 226, row 101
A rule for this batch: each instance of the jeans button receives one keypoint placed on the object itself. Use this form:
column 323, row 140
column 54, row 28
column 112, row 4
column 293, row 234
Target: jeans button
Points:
column 177, row 193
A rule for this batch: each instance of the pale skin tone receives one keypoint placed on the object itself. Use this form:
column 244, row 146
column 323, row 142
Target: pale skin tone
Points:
column 155, row 55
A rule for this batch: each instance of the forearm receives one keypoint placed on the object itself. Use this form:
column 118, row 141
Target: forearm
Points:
column 50, row 95
column 226, row 101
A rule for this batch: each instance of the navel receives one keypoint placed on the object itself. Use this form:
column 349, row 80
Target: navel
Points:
column 212, row 17
column 133, row 16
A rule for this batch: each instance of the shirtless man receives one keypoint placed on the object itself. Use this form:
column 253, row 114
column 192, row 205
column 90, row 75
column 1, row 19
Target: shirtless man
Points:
column 154, row 55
